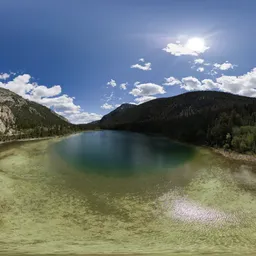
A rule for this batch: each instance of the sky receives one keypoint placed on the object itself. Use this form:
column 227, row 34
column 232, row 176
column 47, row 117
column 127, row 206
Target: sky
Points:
column 83, row 58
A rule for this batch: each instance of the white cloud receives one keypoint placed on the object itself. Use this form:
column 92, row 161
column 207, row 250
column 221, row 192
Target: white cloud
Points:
column 171, row 81
column 190, row 83
column 147, row 89
column 4, row 76
column 193, row 84
column 179, row 49
column 117, row 105
column 137, row 83
column 81, row 117
column 107, row 106
column 224, row 66
column 112, row 82
column 146, row 67
column 20, row 84
column 208, row 84
column 199, row 61
column 43, row 91
column 144, row 99
column 123, row 86
column 243, row 85
column 62, row 103
column 200, row 69
column 109, row 98
column 48, row 96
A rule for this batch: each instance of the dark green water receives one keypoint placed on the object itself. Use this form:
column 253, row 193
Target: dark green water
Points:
column 122, row 153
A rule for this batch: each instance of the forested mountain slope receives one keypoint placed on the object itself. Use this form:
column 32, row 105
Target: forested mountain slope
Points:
column 21, row 118
column 204, row 117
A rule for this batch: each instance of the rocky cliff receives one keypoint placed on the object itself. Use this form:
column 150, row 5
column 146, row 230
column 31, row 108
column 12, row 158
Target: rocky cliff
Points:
column 24, row 118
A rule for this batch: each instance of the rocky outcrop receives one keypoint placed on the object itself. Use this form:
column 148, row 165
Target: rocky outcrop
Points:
column 7, row 119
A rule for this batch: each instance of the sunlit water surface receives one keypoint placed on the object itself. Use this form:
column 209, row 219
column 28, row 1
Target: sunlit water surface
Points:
column 118, row 192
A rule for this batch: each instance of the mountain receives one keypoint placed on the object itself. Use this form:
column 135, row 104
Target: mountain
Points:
column 204, row 117
column 21, row 118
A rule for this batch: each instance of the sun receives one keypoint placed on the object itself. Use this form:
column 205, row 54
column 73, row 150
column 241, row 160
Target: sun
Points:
column 196, row 44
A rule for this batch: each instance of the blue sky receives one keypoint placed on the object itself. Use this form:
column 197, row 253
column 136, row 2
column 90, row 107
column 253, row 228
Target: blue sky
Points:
column 64, row 54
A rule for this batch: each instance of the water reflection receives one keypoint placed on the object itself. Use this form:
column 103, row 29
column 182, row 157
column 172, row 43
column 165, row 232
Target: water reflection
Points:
column 122, row 153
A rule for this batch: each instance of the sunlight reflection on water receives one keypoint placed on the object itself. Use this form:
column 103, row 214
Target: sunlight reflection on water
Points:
column 206, row 205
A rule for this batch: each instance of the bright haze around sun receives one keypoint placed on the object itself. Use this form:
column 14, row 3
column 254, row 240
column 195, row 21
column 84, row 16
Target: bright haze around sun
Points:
column 83, row 59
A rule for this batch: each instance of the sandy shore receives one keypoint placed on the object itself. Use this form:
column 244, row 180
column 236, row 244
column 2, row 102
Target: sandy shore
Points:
column 235, row 156
column 40, row 138
column 46, row 208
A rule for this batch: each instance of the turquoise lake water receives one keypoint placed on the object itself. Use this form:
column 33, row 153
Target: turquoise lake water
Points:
column 122, row 153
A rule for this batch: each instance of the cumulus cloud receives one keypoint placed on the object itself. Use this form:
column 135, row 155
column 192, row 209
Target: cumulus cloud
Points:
column 171, row 81
column 224, row 66
column 199, row 61
column 244, row 85
column 178, row 49
column 144, row 99
column 107, row 106
column 200, row 69
column 193, row 84
column 143, row 66
column 49, row 97
column 190, row 83
column 112, row 83
column 81, row 117
column 43, row 91
column 123, row 86
column 20, row 84
column 4, row 76
column 147, row 89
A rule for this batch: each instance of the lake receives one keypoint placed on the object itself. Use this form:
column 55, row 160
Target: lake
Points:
column 124, row 193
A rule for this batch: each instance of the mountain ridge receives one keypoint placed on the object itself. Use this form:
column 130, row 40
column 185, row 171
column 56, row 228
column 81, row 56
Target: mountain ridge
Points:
column 200, row 117
column 22, row 118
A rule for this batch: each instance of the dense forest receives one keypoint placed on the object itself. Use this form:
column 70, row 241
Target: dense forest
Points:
column 215, row 119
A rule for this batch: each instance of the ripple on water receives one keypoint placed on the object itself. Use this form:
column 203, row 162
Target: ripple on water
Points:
column 201, row 207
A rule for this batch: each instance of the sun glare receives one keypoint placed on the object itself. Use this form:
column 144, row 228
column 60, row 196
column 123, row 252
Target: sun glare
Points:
column 196, row 44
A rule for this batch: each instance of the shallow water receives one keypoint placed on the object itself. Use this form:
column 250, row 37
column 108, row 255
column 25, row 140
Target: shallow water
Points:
column 154, row 196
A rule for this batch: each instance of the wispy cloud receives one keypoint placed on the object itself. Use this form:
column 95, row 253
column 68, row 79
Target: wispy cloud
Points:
column 143, row 66
column 224, row 66
column 123, row 86
column 112, row 83
column 4, row 76
column 107, row 106
column 199, row 61
column 144, row 99
column 178, row 49
column 200, row 69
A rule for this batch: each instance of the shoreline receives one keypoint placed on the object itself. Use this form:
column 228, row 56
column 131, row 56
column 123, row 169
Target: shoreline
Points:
column 234, row 155
column 228, row 154
column 38, row 138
